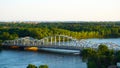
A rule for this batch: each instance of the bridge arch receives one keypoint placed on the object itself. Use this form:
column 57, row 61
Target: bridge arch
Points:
column 58, row 40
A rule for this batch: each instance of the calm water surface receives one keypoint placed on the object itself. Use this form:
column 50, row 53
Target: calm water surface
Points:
column 20, row 59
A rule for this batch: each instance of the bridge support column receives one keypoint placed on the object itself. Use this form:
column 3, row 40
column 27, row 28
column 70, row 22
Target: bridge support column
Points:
column 16, row 42
column 20, row 42
column 63, row 40
column 43, row 42
column 68, row 42
column 76, row 43
column 55, row 40
column 23, row 43
column 13, row 42
column 59, row 40
column 72, row 43
column 34, row 43
column 51, row 40
column 39, row 43
column 47, row 41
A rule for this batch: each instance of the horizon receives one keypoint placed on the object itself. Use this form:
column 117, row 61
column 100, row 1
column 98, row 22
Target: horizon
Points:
column 59, row 21
column 59, row 10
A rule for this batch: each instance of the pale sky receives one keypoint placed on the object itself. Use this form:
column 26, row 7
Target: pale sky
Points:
column 59, row 10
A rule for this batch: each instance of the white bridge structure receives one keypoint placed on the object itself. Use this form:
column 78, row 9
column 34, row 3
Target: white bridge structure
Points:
column 57, row 42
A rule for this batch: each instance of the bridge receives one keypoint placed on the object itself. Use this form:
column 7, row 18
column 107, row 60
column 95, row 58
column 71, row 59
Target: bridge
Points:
column 57, row 42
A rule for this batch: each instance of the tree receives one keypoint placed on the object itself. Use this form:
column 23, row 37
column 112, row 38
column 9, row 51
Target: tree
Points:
column 31, row 66
column 5, row 36
column 102, row 49
column 91, row 64
column 118, row 56
column 101, row 58
column 88, row 52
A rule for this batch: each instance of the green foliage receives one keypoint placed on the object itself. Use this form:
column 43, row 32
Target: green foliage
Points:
column 78, row 30
column 102, row 49
column 0, row 47
column 43, row 66
column 88, row 52
column 100, row 58
column 91, row 64
column 118, row 56
column 31, row 66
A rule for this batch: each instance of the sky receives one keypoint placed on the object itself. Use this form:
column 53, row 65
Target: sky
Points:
column 59, row 10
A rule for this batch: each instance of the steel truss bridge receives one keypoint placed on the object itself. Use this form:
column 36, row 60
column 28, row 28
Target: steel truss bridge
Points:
column 57, row 42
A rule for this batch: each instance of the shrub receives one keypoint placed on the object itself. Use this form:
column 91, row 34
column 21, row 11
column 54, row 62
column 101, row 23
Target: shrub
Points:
column 43, row 66
column 31, row 66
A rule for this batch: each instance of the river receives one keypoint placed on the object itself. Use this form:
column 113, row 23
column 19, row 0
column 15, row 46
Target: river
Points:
column 20, row 59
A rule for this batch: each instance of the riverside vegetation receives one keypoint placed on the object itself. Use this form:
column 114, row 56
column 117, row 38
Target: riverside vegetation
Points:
column 100, row 58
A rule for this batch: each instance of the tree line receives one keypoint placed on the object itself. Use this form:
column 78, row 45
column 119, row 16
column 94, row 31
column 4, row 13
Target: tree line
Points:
column 77, row 30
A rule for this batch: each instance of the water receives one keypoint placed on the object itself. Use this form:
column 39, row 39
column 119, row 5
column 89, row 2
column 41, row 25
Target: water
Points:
column 20, row 59
column 113, row 40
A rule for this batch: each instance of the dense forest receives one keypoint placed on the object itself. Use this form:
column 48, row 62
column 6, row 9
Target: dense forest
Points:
column 79, row 30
